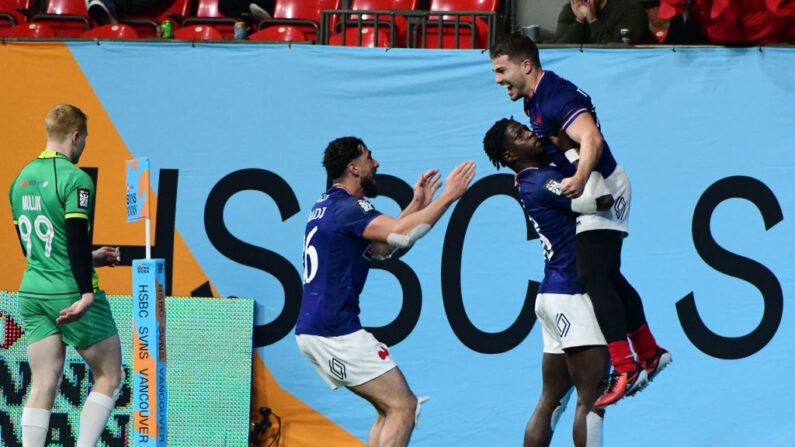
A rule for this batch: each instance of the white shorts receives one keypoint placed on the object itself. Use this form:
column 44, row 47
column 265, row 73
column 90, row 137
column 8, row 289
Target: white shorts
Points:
column 346, row 360
column 567, row 321
column 617, row 217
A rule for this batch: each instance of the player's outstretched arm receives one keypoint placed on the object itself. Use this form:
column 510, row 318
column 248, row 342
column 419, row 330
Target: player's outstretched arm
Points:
column 402, row 232
column 583, row 130
column 424, row 190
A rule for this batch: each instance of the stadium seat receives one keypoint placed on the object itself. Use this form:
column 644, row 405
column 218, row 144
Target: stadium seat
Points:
column 384, row 21
column 65, row 17
column 368, row 37
column 27, row 30
column 207, row 13
column 280, row 33
column 303, row 15
column 148, row 25
column 14, row 12
column 447, row 37
column 118, row 31
column 198, row 32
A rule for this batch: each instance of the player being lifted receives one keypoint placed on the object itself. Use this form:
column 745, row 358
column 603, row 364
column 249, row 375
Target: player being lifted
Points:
column 52, row 202
column 574, row 348
column 343, row 233
column 554, row 104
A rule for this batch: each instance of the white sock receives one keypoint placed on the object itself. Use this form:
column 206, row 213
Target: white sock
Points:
column 93, row 418
column 593, row 422
column 35, row 425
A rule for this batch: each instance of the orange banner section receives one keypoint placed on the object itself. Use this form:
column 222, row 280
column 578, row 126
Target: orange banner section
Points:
column 303, row 426
column 34, row 78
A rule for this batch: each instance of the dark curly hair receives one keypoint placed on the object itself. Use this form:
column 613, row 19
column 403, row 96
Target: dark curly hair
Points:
column 517, row 47
column 494, row 141
column 339, row 153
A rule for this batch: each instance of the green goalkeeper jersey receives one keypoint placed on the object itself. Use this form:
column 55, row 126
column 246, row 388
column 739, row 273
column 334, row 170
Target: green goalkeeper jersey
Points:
column 49, row 190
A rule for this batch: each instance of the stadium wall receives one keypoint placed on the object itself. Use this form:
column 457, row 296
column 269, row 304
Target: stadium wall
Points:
column 236, row 133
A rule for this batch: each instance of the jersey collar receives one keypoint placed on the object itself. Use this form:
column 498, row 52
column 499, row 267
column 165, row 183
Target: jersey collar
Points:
column 53, row 154
column 538, row 81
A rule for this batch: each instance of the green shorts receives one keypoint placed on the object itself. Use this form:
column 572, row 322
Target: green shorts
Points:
column 38, row 320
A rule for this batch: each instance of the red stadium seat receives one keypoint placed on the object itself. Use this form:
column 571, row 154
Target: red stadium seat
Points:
column 384, row 21
column 27, row 30
column 14, row 12
column 66, row 17
column 465, row 35
column 368, row 37
column 302, row 14
column 280, row 33
column 147, row 25
column 118, row 31
column 198, row 32
column 207, row 13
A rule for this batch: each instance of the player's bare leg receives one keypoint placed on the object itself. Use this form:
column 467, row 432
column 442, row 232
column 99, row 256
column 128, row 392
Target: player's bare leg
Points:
column 391, row 394
column 46, row 358
column 375, row 431
column 588, row 367
column 104, row 359
column 556, row 384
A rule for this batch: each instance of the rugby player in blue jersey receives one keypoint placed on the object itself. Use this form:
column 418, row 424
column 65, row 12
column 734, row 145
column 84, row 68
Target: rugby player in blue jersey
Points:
column 554, row 104
column 343, row 233
column 574, row 348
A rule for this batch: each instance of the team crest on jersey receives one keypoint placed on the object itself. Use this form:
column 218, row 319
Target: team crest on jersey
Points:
column 553, row 186
column 366, row 206
column 83, row 197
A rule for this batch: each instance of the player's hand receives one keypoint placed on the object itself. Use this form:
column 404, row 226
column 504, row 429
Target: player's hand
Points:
column 426, row 187
column 76, row 310
column 458, row 180
column 572, row 187
column 106, row 256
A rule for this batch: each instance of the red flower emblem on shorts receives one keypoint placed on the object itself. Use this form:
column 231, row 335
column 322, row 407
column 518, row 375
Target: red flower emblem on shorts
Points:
column 383, row 352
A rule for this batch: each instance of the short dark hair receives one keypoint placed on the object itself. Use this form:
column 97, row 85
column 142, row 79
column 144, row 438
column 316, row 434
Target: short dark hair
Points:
column 339, row 153
column 494, row 141
column 517, row 47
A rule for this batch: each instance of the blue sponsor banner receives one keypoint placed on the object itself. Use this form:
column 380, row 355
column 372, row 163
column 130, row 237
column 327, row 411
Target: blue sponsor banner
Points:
column 137, row 192
column 150, row 395
column 703, row 134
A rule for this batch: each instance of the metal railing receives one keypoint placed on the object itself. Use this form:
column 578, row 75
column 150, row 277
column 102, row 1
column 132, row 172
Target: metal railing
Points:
column 418, row 25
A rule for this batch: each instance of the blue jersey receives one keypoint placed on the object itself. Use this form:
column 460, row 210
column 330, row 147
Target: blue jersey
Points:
column 556, row 102
column 336, row 262
column 550, row 213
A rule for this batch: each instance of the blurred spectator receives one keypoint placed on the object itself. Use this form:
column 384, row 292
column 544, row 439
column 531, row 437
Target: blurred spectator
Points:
column 257, row 10
column 738, row 22
column 676, row 30
column 601, row 21
column 109, row 11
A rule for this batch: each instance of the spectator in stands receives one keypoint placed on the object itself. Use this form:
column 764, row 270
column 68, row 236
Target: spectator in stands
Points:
column 678, row 29
column 109, row 11
column 735, row 22
column 601, row 21
column 257, row 10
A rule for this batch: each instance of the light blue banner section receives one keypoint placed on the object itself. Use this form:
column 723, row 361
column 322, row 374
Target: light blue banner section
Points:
column 137, row 193
column 678, row 121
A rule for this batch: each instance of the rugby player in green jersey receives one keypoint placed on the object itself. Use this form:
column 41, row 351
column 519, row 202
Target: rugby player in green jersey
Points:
column 52, row 202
